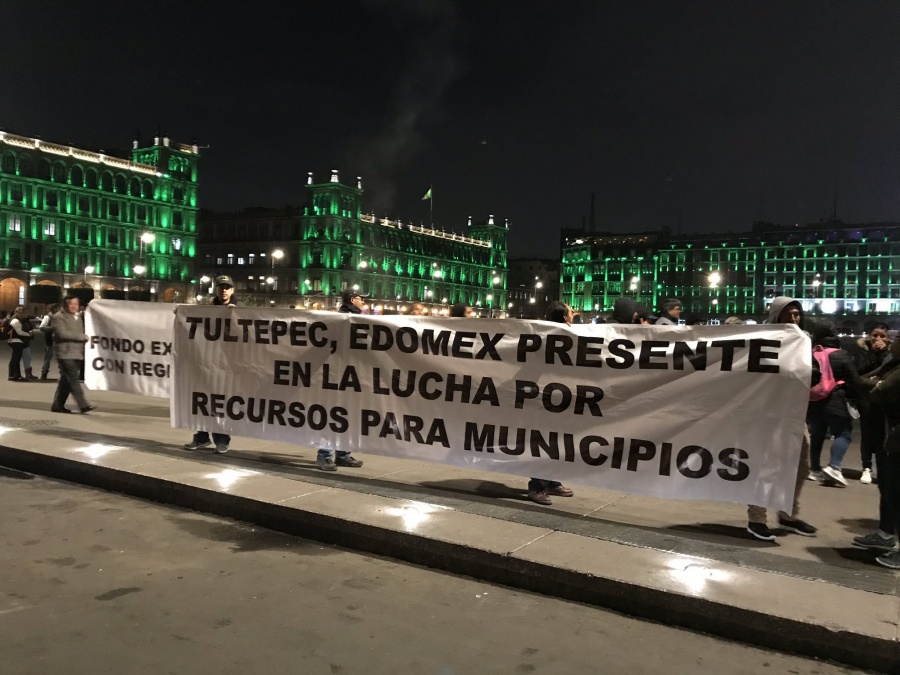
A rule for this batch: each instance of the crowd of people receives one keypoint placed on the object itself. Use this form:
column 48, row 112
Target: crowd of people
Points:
column 851, row 382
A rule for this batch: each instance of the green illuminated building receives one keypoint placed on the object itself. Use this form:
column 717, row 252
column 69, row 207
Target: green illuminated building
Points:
column 833, row 268
column 331, row 245
column 76, row 218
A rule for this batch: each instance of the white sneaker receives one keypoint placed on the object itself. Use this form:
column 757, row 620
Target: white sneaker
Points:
column 866, row 478
column 835, row 475
column 814, row 475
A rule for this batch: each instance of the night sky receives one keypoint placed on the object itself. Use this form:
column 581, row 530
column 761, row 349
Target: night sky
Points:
column 708, row 114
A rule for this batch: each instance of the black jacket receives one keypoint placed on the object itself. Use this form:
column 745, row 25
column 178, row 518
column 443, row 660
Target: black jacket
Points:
column 843, row 368
column 349, row 309
column 865, row 358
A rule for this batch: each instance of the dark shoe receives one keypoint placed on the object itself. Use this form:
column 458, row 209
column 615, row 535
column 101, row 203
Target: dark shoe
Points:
column 193, row 445
column 761, row 531
column 221, row 448
column 540, row 498
column 875, row 542
column 890, row 560
column 347, row 460
column 88, row 409
column 798, row 526
column 60, row 410
column 326, row 464
column 17, row 379
column 559, row 491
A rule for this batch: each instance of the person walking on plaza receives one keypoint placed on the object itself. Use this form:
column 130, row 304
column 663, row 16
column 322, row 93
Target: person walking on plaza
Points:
column 540, row 489
column 224, row 297
column 328, row 460
column 786, row 310
column 869, row 353
column 68, row 342
column 19, row 335
column 829, row 413
column 47, row 330
column 671, row 313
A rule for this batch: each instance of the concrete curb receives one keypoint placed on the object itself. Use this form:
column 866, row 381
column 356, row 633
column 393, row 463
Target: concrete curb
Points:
column 645, row 601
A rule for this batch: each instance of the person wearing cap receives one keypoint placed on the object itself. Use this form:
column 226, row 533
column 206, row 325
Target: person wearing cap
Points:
column 224, row 296
column 328, row 460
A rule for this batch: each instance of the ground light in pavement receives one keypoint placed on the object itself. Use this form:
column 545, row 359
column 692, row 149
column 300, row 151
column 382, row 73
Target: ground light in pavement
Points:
column 414, row 514
column 226, row 478
column 97, row 450
column 3, row 430
column 694, row 574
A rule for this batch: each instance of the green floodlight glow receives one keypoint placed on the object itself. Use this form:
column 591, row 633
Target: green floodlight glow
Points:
column 37, row 269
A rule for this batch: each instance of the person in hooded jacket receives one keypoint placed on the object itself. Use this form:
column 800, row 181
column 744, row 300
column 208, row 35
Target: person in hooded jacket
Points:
column 786, row 310
column 628, row 310
column 869, row 353
column 831, row 414
column 541, row 489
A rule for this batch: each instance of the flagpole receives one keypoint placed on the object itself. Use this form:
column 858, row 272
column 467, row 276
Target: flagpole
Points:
column 431, row 205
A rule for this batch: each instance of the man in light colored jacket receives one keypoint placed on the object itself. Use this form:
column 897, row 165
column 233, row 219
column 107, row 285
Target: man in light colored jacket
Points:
column 68, row 343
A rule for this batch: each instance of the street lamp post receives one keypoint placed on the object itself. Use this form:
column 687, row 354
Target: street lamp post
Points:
column 714, row 278
column 538, row 285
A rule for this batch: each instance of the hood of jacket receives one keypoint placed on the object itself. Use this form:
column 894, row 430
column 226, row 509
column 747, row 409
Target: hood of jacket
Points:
column 778, row 306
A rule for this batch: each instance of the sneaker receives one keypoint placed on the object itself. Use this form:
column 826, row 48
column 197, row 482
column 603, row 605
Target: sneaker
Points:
column 891, row 560
column 761, row 531
column 815, row 475
column 193, row 445
column 875, row 542
column 540, row 498
column 348, row 460
column 798, row 526
column 221, row 448
column 60, row 410
column 326, row 464
column 835, row 475
column 86, row 409
column 866, row 478
column 559, row 491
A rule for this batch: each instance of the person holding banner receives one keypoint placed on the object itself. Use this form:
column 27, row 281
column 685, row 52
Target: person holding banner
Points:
column 541, row 489
column 351, row 303
column 786, row 310
column 224, row 296
column 68, row 343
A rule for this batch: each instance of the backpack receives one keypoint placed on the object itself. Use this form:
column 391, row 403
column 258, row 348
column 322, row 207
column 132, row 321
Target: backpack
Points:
column 6, row 328
column 827, row 384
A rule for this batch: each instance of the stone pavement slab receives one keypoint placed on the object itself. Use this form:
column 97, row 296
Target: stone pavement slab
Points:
column 683, row 562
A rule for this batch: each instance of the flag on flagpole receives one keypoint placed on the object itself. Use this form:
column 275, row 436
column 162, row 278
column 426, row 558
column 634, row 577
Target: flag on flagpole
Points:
column 427, row 195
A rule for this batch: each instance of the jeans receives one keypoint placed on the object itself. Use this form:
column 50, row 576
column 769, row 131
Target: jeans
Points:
column 48, row 359
column 540, row 484
column 218, row 439
column 328, row 454
column 26, row 358
column 819, row 425
column 15, row 360
column 69, row 383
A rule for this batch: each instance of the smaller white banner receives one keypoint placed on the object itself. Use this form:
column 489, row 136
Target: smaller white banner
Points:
column 129, row 347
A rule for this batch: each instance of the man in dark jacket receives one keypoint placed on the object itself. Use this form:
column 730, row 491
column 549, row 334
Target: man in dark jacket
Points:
column 627, row 310
column 869, row 353
column 224, row 296
column 351, row 303
column 671, row 313
column 786, row 310
column 831, row 415
column 68, row 342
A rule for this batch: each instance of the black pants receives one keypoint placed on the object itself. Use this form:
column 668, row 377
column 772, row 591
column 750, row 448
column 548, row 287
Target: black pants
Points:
column 15, row 360
column 889, row 483
column 69, row 383
column 872, row 429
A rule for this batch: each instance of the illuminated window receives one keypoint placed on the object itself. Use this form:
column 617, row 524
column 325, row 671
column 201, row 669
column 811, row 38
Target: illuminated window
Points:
column 50, row 229
column 176, row 244
column 230, row 259
column 240, row 260
column 15, row 223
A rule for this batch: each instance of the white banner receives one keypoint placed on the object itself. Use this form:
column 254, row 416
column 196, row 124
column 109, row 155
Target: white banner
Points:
column 708, row 412
column 129, row 347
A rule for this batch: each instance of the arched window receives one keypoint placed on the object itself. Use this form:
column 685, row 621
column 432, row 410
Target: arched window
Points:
column 9, row 163
column 77, row 178
column 59, row 172
column 26, row 168
column 106, row 182
column 134, row 188
column 43, row 169
column 148, row 190
column 121, row 185
column 90, row 179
